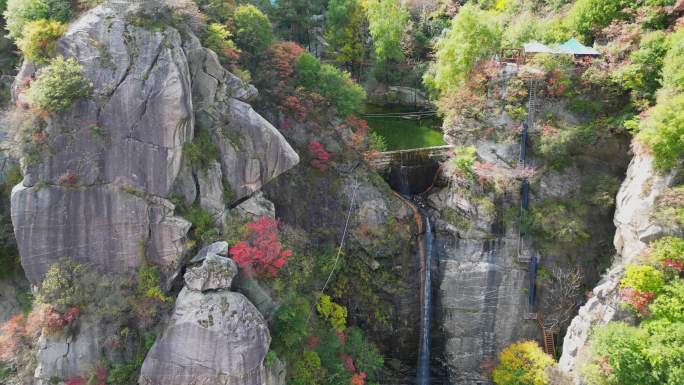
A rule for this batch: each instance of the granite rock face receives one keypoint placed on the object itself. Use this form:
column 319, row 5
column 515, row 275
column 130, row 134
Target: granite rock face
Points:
column 215, row 273
column 215, row 336
column 252, row 150
column 481, row 287
column 122, row 147
column 635, row 228
column 101, row 191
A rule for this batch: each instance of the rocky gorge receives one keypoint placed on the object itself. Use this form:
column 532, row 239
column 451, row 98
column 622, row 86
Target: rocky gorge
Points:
column 190, row 200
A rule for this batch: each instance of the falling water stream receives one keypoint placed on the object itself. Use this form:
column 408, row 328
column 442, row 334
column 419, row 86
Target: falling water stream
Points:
column 423, row 374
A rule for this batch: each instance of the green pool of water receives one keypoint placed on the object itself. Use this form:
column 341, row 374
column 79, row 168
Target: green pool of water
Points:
column 402, row 133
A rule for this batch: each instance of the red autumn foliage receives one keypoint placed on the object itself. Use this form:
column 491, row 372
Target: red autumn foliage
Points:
column 342, row 337
column 19, row 333
column 294, row 105
column 78, row 380
column 675, row 265
column 261, row 253
column 282, row 58
column 313, row 342
column 57, row 321
column 321, row 157
column 68, row 179
column 359, row 379
column 639, row 300
column 348, row 363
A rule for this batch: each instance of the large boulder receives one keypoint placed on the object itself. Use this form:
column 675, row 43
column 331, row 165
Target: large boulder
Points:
column 213, row 338
column 252, row 151
column 215, row 273
column 121, row 148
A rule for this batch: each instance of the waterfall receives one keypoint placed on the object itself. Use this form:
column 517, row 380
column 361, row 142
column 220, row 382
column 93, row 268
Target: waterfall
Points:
column 404, row 186
column 423, row 376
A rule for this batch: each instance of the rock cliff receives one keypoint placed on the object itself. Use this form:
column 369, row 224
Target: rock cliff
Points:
column 215, row 336
column 101, row 192
column 635, row 228
column 125, row 147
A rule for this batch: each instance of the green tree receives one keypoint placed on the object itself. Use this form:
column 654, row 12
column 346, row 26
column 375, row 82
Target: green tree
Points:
column 308, row 70
column 642, row 75
column 667, row 249
column 522, row 363
column 345, row 30
column 618, row 357
column 254, row 32
column 338, row 87
column 308, row 370
column 296, row 18
column 20, row 12
column 217, row 10
column 586, row 16
column 386, row 22
column 673, row 64
column 474, row 35
column 59, row 85
column 39, row 38
column 663, row 130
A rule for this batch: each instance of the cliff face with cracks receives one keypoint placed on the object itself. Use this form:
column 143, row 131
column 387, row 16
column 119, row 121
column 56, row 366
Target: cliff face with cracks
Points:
column 483, row 279
column 635, row 229
column 125, row 147
column 122, row 150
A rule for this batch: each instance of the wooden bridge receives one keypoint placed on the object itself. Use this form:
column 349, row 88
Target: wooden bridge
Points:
column 410, row 157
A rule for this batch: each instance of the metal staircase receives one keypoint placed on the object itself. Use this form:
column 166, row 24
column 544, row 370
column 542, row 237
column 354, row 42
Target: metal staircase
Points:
column 549, row 343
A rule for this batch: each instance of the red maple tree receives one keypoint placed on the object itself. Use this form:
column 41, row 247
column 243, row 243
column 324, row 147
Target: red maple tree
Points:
column 261, row 253
column 321, row 157
column 639, row 300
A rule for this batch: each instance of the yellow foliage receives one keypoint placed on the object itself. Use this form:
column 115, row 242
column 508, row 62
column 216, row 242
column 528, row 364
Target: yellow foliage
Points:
column 334, row 313
column 522, row 363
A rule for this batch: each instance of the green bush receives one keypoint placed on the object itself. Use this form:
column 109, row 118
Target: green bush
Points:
column 367, row 358
column 149, row 283
column 463, row 161
column 218, row 39
column 38, row 42
column 669, row 306
column 663, row 131
column 308, row 370
column 341, row 90
column 308, row 70
column 202, row 151
column 377, row 142
column 290, row 326
column 20, row 12
column 66, row 284
column 558, row 222
column 217, row 10
column 59, row 85
column 522, row 363
column 618, row 357
column 474, row 35
column 586, row 16
column 667, row 248
column 254, row 32
column 673, row 63
column 643, row 73
column 643, row 278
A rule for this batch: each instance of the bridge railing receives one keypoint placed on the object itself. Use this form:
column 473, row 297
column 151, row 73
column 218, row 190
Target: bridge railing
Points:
column 386, row 159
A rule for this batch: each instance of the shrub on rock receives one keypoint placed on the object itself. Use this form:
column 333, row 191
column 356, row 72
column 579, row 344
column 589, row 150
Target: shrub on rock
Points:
column 20, row 12
column 39, row 39
column 59, row 85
